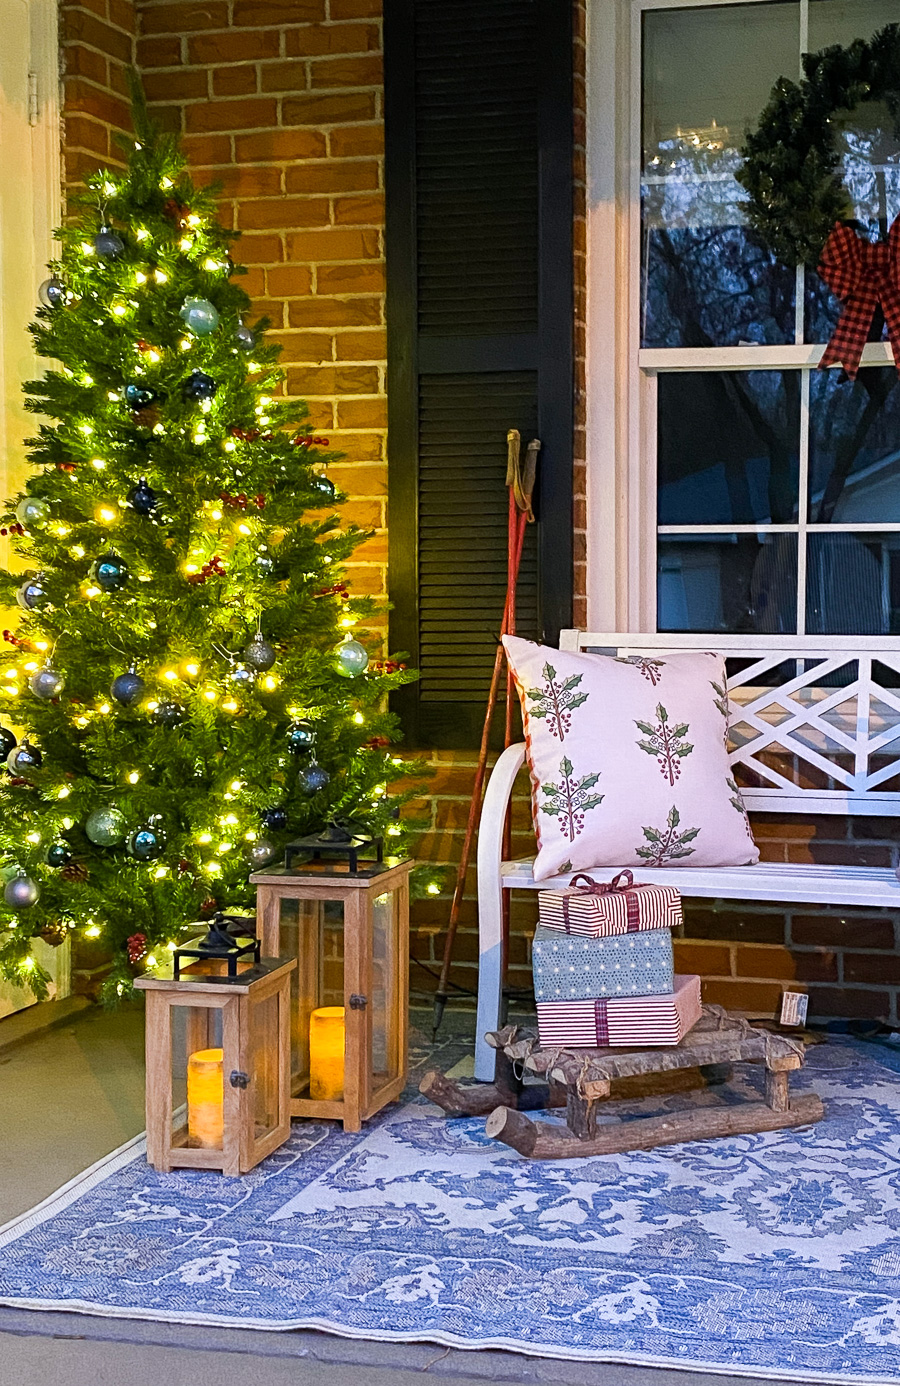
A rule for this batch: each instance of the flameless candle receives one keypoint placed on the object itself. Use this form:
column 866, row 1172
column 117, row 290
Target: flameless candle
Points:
column 206, row 1099
column 326, row 1054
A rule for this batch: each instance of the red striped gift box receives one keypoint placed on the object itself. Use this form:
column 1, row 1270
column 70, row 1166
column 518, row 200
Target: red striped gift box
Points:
column 596, row 909
column 621, row 1021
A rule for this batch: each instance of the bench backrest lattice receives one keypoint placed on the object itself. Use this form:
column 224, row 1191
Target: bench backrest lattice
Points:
column 814, row 725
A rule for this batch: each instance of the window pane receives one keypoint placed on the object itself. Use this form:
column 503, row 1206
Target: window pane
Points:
column 853, row 584
column 707, row 74
column 727, row 449
column 728, row 582
column 854, row 447
column 868, row 145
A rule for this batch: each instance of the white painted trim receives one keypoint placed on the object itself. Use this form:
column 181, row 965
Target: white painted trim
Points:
column 758, row 358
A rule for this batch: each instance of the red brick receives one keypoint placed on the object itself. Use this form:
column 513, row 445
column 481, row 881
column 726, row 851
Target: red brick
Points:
column 328, row 109
column 365, row 582
column 354, row 9
column 361, row 346
column 350, row 279
column 122, row 14
column 316, row 40
column 342, row 380
column 289, row 281
column 355, row 478
column 290, row 76
column 359, row 211
column 81, row 97
column 360, row 447
column 342, row 73
column 785, row 965
column 353, row 142
column 271, row 146
column 247, row 180
column 231, row 47
column 82, row 133
column 758, row 997
column 881, row 968
column 353, row 176
column 257, row 14
column 362, row 413
column 300, row 347
column 258, row 250
column 844, row 930
column 158, row 52
column 203, row 150
column 183, row 85
column 84, row 62
column 335, row 312
column 282, row 214
column 238, row 79
column 846, row 1001
column 231, row 115
column 88, row 29
column 332, row 245
column 732, row 924
column 703, row 958
column 184, row 18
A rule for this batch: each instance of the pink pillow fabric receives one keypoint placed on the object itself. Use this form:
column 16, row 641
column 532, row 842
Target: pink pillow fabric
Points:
column 628, row 760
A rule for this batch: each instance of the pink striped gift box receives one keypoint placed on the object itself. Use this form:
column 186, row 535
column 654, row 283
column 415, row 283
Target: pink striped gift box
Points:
column 621, row 1021
column 597, row 909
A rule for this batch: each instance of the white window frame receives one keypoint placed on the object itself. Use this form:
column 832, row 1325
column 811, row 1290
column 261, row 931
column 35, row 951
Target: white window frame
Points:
column 621, row 375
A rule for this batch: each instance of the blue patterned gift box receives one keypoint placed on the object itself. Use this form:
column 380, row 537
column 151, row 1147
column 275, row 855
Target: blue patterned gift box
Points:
column 570, row 968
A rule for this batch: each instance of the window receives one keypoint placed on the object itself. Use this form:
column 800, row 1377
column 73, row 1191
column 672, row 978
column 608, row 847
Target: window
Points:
column 761, row 495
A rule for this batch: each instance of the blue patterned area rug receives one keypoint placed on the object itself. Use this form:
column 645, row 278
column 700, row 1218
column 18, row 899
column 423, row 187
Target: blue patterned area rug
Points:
column 771, row 1255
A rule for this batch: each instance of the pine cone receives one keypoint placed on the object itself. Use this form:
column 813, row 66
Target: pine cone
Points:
column 74, row 871
column 54, row 934
column 136, row 945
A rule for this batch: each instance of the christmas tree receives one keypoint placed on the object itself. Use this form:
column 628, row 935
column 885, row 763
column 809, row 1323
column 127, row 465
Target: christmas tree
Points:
column 185, row 689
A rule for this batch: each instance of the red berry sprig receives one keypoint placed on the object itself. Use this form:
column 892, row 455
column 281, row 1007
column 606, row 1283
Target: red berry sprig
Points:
column 12, row 529
column 214, row 568
column 386, row 666
column 18, row 641
column 67, row 467
column 338, row 589
column 308, row 441
column 241, row 502
column 250, row 435
column 377, row 743
column 136, row 944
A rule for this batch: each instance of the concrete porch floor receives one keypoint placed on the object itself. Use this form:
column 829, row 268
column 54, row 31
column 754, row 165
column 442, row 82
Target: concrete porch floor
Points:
column 70, row 1095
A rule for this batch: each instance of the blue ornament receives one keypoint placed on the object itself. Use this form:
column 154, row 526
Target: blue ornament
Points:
column 274, row 818
column 23, row 760
column 108, row 244
column 127, row 688
column 241, row 676
column 47, row 683
column 245, row 339
column 351, row 659
column 168, row 714
column 142, row 498
column 198, row 386
column 58, row 854
column 105, row 827
column 323, row 485
column 199, row 316
column 301, row 737
column 312, row 778
column 52, row 293
column 32, row 595
column 139, row 397
column 146, row 843
column 7, row 742
column 32, row 512
column 265, row 564
column 110, row 572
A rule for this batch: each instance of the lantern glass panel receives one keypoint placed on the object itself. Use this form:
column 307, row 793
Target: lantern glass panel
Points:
column 198, row 1104
column 385, row 1004
column 264, row 1063
column 312, row 931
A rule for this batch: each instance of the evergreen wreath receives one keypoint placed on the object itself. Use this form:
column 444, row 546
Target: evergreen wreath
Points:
column 790, row 166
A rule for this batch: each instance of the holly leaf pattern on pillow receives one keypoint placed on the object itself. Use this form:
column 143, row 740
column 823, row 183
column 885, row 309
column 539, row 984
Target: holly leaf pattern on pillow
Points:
column 665, row 742
column 555, row 702
column 569, row 801
column 667, row 844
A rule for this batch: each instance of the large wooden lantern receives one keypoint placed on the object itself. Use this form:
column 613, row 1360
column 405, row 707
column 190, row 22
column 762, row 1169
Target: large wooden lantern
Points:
column 218, row 1056
column 348, row 931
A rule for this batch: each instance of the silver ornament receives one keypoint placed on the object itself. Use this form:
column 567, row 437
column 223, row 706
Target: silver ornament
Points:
column 32, row 594
column 32, row 512
column 245, row 339
column 262, row 852
column 52, row 293
column 23, row 760
column 199, row 316
column 351, row 659
column 21, row 892
column 105, row 827
column 47, row 683
column 259, row 654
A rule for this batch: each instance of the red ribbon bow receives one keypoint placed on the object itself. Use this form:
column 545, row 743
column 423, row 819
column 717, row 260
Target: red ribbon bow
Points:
column 604, row 887
column 862, row 276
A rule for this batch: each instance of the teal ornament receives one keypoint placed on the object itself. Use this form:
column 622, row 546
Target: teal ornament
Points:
column 351, row 659
column 139, row 397
column 47, row 683
column 245, row 339
column 312, row 778
column 32, row 595
column 127, row 688
column 322, row 484
column 107, row 244
column 58, row 854
column 110, row 572
column 199, row 316
column 301, row 737
column 21, row 892
column 105, row 827
column 52, row 293
column 145, row 843
column 23, row 760
column 32, row 512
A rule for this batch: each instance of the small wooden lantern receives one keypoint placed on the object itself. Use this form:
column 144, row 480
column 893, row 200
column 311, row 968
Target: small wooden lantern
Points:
column 218, row 1063
column 349, row 934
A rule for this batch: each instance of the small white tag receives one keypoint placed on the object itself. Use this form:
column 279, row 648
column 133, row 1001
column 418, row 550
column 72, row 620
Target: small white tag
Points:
column 794, row 1005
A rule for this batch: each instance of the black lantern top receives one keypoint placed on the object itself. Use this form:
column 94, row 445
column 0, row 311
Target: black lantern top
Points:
column 221, row 944
column 337, row 843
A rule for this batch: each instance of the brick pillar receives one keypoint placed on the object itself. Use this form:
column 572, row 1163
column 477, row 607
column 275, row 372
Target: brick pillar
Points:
column 98, row 41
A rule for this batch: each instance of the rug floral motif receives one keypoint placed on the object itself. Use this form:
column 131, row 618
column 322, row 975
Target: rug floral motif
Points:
column 774, row 1255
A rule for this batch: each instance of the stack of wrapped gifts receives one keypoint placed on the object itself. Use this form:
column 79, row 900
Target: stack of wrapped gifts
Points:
column 603, row 967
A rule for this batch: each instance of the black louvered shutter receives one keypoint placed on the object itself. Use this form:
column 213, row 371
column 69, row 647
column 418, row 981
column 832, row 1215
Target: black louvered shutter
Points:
column 480, row 301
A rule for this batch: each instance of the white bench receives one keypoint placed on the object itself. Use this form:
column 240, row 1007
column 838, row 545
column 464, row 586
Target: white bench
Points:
column 825, row 739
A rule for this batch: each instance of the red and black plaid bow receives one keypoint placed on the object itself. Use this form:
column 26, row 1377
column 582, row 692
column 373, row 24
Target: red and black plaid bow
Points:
column 862, row 275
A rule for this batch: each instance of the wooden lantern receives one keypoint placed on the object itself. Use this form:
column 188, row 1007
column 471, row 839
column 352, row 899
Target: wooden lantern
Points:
column 349, row 934
column 218, row 1064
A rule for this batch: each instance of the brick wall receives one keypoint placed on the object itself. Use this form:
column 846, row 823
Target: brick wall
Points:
column 98, row 39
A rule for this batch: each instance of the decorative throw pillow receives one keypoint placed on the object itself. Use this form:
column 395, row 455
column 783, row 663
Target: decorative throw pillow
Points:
column 628, row 760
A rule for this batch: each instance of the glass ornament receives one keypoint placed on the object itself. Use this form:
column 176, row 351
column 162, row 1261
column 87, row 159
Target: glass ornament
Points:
column 127, row 688
column 265, row 564
column 7, row 742
column 351, row 658
column 145, row 843
column 105, row 827
column 323, row 484
column 241, row 676
column 23, row 760
column 59, row 854
column 139, row 397
column 199, row 316
column 32, row 595
column 110, row 572
column 198, row 386
column 168, row 714
column 32, row 512
column 259, row 654
column 245, row 339
column 262, row 852
column 108, row 244
column 52, row 292
column 301, row 737
column 142, row 498
column 47, row 683
column 274, row 818
column 21, row 892
column 312, row 778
